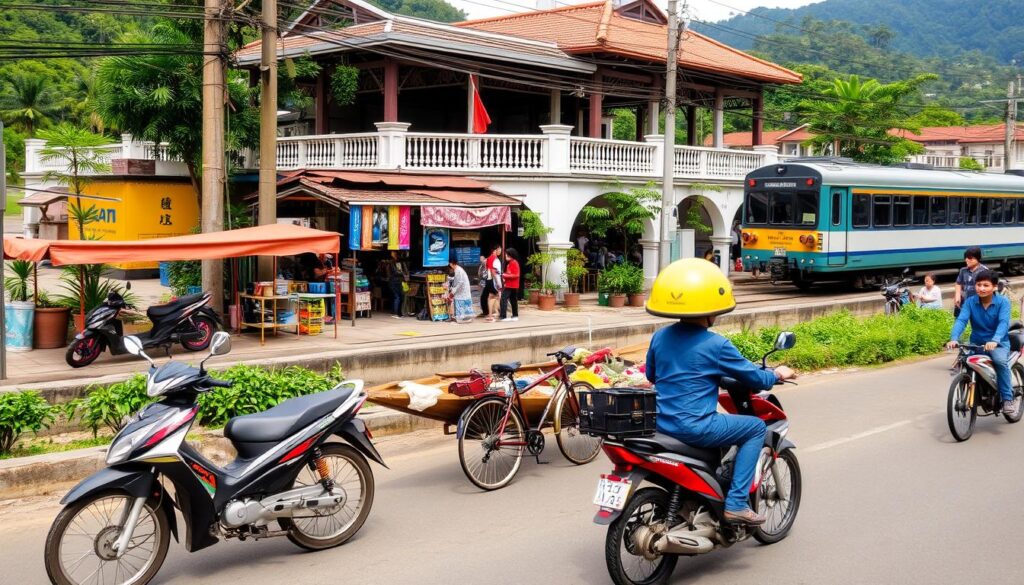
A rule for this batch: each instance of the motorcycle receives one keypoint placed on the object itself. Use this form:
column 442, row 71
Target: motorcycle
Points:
column 897, row 293
column 188, row 320
column 975, row 386
column 681, row 512
column 116, row 524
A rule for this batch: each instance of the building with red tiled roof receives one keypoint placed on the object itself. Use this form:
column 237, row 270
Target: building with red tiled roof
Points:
column 789, row 142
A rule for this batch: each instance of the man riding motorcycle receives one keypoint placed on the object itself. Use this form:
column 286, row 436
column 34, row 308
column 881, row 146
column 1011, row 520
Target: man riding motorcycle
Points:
column 989, row 316
column 686, row 361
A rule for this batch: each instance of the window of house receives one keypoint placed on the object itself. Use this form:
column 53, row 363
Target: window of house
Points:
column 837, row 207
column 920, row 210
column 861, row 216
column 883, row 211
column 938, row 210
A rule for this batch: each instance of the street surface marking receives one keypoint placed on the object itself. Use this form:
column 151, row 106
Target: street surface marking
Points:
column 865, row 434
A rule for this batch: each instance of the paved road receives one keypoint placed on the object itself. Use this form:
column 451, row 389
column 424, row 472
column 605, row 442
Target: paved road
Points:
column 888, row 498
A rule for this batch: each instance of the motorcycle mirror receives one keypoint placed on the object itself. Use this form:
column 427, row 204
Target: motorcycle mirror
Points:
column 785, row 340
column 133, row 345
column 906, row 271
column 221, row 344
column 128, row 286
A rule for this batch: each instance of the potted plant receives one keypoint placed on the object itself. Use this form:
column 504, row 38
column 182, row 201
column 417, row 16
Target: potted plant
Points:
column 50, row 323
column 533, row 287
column 540, row 261
column 85, row 289
column 575, row 272
column 616, row 280
column 546, row 300
column 633, row 284
column 604, row 289
column 18, row 309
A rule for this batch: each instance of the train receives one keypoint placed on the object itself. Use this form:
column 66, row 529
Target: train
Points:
column 813, row 220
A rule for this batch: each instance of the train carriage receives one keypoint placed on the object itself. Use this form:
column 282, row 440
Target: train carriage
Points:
column 811, row 220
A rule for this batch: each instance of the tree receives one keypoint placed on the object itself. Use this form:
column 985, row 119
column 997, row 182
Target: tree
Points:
column 854, row 118
column 75, row 150
column 28, row 103
column 437, row 10
column 159, row 97
column 626, row 212
column 934, row 116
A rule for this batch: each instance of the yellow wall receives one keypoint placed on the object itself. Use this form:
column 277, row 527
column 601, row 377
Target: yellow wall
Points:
column 145, row 210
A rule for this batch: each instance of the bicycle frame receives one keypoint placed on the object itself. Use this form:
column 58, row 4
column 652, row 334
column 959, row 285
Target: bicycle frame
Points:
column 516, row 396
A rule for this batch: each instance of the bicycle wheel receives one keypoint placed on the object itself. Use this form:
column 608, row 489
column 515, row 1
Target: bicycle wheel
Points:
column 576, row 446
column 1017, row 371
column 960, row 415
column 487, row 464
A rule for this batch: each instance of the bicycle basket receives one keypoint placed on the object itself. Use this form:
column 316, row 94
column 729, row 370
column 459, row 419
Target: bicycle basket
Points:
column 618, row 412
column 476, row 384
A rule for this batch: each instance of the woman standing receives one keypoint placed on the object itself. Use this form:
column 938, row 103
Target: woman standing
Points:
column 459, row 293
column 398, row 276
column 510, row 292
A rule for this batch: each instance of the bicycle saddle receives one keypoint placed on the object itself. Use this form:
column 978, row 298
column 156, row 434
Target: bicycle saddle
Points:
column 506, row 368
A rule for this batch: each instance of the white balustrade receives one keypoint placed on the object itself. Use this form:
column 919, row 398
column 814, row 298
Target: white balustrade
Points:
column 59, row 164
column 714, row 163
column 615, row 157
column 482, row 152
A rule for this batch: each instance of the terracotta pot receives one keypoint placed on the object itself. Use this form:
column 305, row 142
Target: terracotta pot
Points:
column 546, row 302
column 572, row 299
column 534, row 295
column 617, row 300
column 637, row 300
column 51, row 327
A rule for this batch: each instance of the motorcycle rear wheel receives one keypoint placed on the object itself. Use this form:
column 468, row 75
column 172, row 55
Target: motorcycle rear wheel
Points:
column 350, row 472
column 80, row 538
column 648, row 506
column 961, row 418
column 769, row 505
column 206, row 328
column 1017, row 371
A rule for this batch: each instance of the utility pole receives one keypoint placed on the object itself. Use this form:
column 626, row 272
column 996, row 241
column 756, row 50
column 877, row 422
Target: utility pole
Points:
column 3, row 270
column 268, row 127
column 1011, row 127
column 213, row 141
column 667, row 187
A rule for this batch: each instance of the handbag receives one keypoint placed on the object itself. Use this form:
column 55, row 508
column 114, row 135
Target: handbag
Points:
column 477, row 383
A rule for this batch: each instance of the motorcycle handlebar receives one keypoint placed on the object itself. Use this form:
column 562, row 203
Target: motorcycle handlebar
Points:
column 220, row 383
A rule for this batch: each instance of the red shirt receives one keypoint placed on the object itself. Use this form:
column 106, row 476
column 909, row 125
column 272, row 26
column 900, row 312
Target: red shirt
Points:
column 512, row 275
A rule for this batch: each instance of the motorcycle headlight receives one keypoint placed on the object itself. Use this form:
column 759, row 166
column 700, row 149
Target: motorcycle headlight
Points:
column 123, row 445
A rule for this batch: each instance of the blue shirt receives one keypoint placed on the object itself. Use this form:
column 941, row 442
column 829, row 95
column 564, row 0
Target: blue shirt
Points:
column 990, row 324
column 686, row 362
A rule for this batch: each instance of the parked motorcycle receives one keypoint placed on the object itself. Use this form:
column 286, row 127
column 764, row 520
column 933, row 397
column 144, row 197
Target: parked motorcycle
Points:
column 897, row 293
column 975, row 386
column 188, row 320
column 116, row 524
column 681, row 512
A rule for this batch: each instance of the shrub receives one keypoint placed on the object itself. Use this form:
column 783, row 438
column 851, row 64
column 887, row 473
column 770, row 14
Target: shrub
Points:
column 20, row 412
column 257, row 389
column 183, row 274
column 110, row 406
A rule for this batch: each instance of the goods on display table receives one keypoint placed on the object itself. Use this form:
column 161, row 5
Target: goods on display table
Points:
column 437, row 290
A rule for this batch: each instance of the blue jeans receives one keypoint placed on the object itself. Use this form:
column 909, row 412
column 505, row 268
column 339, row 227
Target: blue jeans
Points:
column 1001, row 362
column 722, row 430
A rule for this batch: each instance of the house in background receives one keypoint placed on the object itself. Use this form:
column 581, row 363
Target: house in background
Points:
column 790, row 143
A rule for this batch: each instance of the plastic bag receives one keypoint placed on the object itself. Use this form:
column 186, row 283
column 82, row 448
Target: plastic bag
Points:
column 420, row 397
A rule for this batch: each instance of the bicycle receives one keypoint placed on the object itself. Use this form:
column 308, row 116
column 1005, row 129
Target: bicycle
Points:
column 495, row 431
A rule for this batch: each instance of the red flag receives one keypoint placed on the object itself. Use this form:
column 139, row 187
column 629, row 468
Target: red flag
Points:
column 481, row 120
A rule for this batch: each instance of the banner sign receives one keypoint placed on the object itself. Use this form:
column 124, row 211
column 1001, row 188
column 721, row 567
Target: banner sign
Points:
column 393, row 222
column 367, row 237
column 355, row 227
column 404, row 227
column 435, row 247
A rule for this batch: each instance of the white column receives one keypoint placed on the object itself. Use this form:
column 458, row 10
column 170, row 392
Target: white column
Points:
column 130, row 148
column 554, row 272
column 658, row 165
column 721, row 245
column 557, row 147
column 651, row 248
column 719, row 118
column 33, row 164
column 391, row 144
column 653, row 113
column 771, row 153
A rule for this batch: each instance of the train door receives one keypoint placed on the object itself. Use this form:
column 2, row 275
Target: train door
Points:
column 838, row 220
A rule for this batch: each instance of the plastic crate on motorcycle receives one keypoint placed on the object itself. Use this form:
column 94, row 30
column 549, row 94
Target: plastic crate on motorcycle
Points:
column 618, row 412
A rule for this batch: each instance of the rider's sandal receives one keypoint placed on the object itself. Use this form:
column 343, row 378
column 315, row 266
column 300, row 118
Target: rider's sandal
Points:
column 747, row 517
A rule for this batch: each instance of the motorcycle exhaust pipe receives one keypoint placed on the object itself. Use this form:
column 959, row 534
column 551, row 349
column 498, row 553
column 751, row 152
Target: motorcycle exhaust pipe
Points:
column 683, row 543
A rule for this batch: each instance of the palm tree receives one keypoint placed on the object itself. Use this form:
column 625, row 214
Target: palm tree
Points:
column 77, row 151
column 28, row 104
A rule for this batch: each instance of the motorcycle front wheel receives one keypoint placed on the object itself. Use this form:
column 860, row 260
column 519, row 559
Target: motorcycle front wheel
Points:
column 79, row 544
column 779, row 512
column 83, row 352
column 1017, row 371
column 960, row 415
column 206, row 328
column 627, row 565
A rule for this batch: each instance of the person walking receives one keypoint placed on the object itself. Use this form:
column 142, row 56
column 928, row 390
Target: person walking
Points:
column 965, row 280
column 510, row 289
column 930, row 295
column 492, row 274
column 459, row 294
column 397, row 276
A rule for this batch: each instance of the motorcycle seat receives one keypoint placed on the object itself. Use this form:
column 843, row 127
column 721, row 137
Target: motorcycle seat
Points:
column 505, row 368
column 285, row 419
column 158, row 311
column 662, row 443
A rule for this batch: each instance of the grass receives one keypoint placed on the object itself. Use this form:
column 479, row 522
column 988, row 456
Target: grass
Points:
column 12, row 204
column 43, row 446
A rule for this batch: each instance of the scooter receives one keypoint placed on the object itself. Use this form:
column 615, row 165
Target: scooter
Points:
column 897, row 293
column 116, row 525
column 188, row 320
column 681, row 512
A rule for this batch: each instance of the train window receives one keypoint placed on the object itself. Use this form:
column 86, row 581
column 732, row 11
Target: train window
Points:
column 901, row 210
column 806, row 209
column 757, row 208
column 996, row 210
column 984, row 205
column 956, row 210
column 837, row 207
column 920, row 210
column 883, row 211
column 780, row 208
column 970, row 210
column 1009, row 210
column 861, row 211
column 938, row 211
column 1020, row 211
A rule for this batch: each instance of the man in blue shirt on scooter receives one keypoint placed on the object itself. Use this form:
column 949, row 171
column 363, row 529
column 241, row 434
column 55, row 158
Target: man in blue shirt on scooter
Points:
column 989, row 317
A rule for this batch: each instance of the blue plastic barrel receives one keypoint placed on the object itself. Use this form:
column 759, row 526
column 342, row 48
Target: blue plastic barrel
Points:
column 165, row 274
column 20, row 317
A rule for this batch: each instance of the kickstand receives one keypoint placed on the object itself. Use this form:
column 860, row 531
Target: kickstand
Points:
column 167, row 350
column 539, row 462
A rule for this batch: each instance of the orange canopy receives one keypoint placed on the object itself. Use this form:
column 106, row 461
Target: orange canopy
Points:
column 265, row 240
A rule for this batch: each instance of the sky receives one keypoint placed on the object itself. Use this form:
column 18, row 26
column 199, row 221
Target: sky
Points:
column 709, row 10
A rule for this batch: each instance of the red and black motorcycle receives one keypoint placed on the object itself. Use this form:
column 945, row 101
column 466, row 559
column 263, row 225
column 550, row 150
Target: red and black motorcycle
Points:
column 680, row 511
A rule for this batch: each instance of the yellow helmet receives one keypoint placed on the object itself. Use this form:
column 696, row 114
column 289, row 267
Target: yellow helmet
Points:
column 692, row 287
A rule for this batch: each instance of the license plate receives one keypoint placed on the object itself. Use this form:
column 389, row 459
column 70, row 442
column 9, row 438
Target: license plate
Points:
column 611, row 492
column 780, row 252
